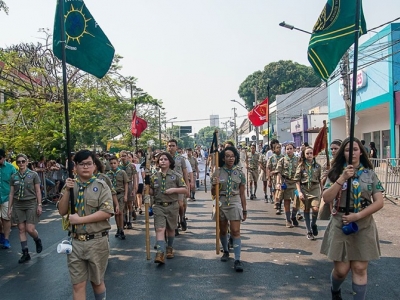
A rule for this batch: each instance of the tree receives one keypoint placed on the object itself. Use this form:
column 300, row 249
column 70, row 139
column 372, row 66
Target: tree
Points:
column 205, row 135
column 283, row 77
column 3, row 6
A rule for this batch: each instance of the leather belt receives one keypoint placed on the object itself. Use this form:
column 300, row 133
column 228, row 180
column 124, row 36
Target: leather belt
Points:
column 165, row 204
column 87, row 237
column 343, row 209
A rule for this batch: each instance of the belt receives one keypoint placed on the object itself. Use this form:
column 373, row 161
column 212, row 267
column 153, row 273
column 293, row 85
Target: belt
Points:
column 87, row 237
column 165, row 204
column 119, row 193
column 343, row 209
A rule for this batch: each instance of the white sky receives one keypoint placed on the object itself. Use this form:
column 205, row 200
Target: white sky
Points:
column 193, row 54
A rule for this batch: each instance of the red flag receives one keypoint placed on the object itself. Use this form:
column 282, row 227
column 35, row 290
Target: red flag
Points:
column 138, row 125
column 259, row 114
column 321, row 141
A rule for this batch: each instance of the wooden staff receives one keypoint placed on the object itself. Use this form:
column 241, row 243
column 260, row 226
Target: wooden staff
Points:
column 216, row 171
column 247, row 175
column 147, row 201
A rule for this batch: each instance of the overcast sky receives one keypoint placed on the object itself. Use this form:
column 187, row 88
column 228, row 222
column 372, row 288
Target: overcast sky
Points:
column 193, row 54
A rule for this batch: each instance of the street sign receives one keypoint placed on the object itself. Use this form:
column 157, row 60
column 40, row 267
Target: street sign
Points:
column 185, row 129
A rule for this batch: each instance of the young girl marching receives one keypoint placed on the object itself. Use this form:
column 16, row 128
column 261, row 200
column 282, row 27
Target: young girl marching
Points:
column 271, row 166
column 308, row 176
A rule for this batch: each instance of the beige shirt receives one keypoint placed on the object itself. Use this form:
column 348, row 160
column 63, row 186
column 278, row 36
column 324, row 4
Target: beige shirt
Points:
column 172, row 180
column 120, row 178
column 287, row 166
column 26, row 198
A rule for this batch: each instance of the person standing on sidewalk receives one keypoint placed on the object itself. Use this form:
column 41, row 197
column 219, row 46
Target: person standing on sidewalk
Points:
column 353, row 251
column 232, row 182
column 25, row 205
column 6, row 172
column 165, row 186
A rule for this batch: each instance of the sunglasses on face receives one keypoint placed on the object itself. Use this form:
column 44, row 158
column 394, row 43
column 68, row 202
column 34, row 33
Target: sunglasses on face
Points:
column 21, row 161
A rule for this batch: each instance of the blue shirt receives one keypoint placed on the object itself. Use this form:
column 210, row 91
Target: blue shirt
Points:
column 6, row 170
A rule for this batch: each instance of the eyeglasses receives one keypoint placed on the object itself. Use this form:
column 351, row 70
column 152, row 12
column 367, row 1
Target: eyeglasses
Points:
column 85, row 164
column 21, row 161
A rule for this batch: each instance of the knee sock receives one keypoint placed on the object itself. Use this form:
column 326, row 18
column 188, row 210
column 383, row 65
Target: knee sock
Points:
column 237, row 246
column 314, row 218
column 294, row 212
column 287, row 213
column 160, row 246
column 307, row 219
column 251, row 190
column 170, row 241
column 359, row 291
column 101, row 296
column 255, row 190
column 336, row 283
column 24, row 245
column 224, row 242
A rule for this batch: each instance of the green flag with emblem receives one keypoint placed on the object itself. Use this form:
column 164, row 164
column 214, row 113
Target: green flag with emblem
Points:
column 87, row 47
column 332, row 35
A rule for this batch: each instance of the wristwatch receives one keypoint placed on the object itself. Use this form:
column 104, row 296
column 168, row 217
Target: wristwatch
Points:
column 39, row 204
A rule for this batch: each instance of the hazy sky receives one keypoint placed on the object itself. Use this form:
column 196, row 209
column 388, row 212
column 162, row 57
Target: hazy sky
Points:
column 193, row 54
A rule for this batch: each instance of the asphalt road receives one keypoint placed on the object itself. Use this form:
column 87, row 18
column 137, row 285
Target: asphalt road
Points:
column 280, row 263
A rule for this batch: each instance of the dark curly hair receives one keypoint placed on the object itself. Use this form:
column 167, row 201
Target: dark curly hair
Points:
column 221, row 160
column 170, row 158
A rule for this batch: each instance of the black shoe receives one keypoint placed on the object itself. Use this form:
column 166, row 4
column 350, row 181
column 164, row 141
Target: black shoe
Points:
column 176, row 232
column 25, row 256
column 39, row 246
column 230, row 243
column 129, row 225
column 266, row 198
column 278, row 212
column 122, row 235
column 140, row 211
column 134, row 215
column 184, row 225
column 238, row 266
column 310, row 236
column 314, row 228
column 336, row 295
column 299, row 217
column 117, row 234
column 254, row 197
column 125, row 223
column 251, row 197
column 225, row 256
column 295, row 222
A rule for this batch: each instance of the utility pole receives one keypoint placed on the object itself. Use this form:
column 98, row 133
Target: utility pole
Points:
column 235, row 135
column 346, row 89
column 256, row 127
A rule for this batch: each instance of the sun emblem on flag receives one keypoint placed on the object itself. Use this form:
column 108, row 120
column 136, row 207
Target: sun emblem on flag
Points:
column 76, row 24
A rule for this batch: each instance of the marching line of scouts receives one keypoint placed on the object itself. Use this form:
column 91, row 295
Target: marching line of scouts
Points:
column 98, row 197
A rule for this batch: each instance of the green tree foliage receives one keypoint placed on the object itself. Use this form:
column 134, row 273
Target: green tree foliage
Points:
column 205, row 135
column 283, row 77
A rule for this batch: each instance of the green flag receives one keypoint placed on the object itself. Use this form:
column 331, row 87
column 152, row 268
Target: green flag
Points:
column 333, row 34
column 87, row 47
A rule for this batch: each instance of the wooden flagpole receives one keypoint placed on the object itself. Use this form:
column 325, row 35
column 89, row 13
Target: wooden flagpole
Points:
column 147, row 202
column 216, row 170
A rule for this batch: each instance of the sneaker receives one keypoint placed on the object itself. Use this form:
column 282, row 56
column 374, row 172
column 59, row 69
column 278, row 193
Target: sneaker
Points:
column 310, row 236
column 289, row 224
column 184, row 225
column 336, row 295
column 295, row 222
column 251, row 197
column 122, row 235
column 39, row 246
column 6, row 244
column 140, row 211
column 225, row 256
column 254, row 197
column 129, row 225
column 314, row 228
column 25, row 256
column 117, row 234
column 159, row 259
column 299, row 217
column 170, row 252
column 278, row 212
column 238, row 266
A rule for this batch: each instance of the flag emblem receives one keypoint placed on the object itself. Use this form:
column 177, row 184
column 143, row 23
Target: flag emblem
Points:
column 328, row 16
column 76, row 24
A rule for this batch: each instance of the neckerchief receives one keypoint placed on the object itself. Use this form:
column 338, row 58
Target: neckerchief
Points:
column 229, row 183
column 357, row 189
column 22, row 183
column 163, row 179
column 123, row 167
column 114, row 176
column 290, row 165
column 309, row 174
column 80, row 204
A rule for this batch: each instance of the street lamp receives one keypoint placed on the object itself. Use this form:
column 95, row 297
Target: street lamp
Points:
column 245, row 107
column 291, row 27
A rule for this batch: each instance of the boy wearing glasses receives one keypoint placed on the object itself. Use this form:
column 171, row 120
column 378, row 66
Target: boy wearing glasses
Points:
column 94, row 206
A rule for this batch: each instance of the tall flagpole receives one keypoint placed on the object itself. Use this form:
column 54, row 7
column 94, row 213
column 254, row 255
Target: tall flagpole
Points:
column 66, row 113
column 353, row 98
column 216, row 170
column 268, row 114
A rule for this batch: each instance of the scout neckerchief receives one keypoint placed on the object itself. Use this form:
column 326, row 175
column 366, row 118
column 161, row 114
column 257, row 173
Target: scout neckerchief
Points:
column 80, row 204
column 124, row 166
column 229, row 183
column 163, row 179
column 357, row 189
column 290, row 164
column 114, row 176
column 309, row 174
column 22, row 183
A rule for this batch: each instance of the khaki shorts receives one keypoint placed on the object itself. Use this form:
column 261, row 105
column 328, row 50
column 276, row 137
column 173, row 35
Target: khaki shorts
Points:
column 4, row 211
column 166, row 216
column 88, row 260
column 231, row 212
column 312, row 197
column 29, row 216
column 130, row 190
column 253, row 175
column 121, row 202
column 289, row 192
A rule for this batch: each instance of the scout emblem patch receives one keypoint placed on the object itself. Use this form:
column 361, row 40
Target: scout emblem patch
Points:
column 95, row 189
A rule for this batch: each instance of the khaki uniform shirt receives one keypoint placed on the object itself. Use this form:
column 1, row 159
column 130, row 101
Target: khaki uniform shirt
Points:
column 172, row 180
column 129, row 169
column 369, row 183
column 287, row 166
column 253, row 160
column 193, row 163
column 272, row 163
column 263, row 161
column 28, row 197
column 302, row 174
column 120, row 178
column 104, row 177
column 237, row 177
column 180, row 164
column 96, row 196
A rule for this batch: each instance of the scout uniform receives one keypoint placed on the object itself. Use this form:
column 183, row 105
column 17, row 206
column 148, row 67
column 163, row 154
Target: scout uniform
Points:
column 180, row 165
column 130, row 171
column 253, row 160
column 84, row 263
column 229, row 192
column 118, row 179
column 263, row 162
column 194, row 164
column 166, row 207
column 271, row 166
column 287, row 166
column 364, row 244
column 25, row 198
column 309, row 176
